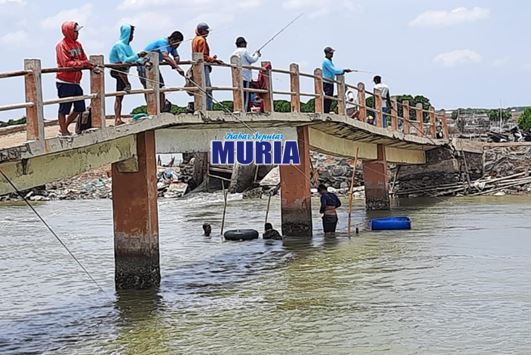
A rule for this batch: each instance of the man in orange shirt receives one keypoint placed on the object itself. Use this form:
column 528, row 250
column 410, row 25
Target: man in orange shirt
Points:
column 200, row 45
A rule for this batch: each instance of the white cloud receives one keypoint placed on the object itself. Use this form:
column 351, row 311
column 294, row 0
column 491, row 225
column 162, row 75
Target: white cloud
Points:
column 443, row 18
column 457, row 57
column 501, row 62
column 17, row 38
column 318, row 8
column 80, row 15
column 144, row 20
column 176, row 4
column 19, row 2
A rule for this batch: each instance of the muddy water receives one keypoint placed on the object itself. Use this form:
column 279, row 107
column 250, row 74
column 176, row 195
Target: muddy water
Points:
column 460, row 281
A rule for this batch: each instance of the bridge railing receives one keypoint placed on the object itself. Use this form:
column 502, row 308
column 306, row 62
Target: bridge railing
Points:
column 425, row 123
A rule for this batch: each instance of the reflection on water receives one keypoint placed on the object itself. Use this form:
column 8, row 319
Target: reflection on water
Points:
column 457, row 282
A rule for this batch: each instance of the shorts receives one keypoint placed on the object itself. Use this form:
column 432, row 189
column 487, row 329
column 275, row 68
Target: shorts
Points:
column 329, row 223
column 120, row 83
column 67, row 90
column 142, row 75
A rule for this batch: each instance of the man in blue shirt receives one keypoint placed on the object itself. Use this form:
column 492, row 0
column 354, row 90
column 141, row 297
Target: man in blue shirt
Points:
column 329, row 75
column 167, row 49
column 329, row 203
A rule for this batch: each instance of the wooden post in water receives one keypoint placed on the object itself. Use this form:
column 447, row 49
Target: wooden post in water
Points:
column 433, row 126
column 378, row 107
column 341, row 90
column 362, row 103
column 318, row 88
column 268, row 98
column 420, row 120
column 35, row 113
column 153, row 83
column 352, row 180
column 376, row 181
column 295, row 87
column 237, row 83
column 394, row 114
column 97, row 87
column 198, row 75
column 405, row 113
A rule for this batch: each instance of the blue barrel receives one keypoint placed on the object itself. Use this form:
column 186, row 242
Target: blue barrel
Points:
column 390, row 223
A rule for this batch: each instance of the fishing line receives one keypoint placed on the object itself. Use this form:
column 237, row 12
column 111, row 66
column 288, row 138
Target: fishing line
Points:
column 51, row 230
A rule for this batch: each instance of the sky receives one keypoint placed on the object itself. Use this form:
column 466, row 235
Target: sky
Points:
column 458, row 53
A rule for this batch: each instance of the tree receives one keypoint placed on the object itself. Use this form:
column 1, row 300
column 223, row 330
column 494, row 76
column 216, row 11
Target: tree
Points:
column 494, row 115
column 524, row 122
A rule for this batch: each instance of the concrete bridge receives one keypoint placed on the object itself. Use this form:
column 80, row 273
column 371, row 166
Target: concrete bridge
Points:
column 33, row 155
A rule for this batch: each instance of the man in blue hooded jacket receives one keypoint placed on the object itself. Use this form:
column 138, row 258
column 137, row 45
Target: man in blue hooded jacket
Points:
column 122, row 53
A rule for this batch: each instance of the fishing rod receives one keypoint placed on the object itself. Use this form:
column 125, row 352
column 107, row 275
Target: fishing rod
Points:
column 279, row 32
column 51, row 230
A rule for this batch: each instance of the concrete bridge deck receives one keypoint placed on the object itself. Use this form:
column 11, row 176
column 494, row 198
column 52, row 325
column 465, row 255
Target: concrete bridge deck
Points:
column 36, row 156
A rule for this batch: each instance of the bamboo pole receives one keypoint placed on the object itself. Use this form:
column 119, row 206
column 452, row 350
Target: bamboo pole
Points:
column 350, row 192
column 224, row 207
column 268, row 204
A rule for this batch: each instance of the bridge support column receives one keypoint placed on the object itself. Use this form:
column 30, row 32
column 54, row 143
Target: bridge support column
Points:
column 376, row 182
column 295, row 191
column 136, row 229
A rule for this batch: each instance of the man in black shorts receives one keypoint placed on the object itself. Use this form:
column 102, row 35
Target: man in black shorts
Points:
column 122, row 53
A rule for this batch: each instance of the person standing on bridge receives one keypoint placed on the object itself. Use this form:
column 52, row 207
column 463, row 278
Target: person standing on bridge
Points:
column 246, row 58
column 70, row 54
column 122, row 53
column 329, row 203
column 200, row 45
column 329, row 75
column 386, row 99
column 166, row 47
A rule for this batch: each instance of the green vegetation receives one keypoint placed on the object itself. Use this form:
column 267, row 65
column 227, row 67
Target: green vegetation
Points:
column 413, row 101
column 13, row 122
column 494, row 115
column 279, row 106
column 524, row 122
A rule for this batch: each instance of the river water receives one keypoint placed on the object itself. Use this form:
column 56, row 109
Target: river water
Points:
column 460, row 281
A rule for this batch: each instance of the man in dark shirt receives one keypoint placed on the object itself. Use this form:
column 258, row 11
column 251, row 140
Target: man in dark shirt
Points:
column 271, row 233
column 329, row 203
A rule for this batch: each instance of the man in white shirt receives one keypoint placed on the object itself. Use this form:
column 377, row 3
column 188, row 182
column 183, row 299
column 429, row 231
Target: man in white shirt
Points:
column 351, row 103
column 246, row 58
column 386, row 98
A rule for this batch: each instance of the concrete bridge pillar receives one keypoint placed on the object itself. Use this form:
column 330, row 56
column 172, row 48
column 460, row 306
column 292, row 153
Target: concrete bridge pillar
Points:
column 295, row 191
column 136, row 229
column 376, row 182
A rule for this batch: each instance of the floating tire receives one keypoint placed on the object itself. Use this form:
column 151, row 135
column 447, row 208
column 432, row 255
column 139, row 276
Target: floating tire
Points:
column 241, row 234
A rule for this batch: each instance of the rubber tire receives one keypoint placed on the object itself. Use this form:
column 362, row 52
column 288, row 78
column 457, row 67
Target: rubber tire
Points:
column 241, row 234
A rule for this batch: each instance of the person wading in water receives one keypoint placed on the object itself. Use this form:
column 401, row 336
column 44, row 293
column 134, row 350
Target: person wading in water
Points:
column 329, row 203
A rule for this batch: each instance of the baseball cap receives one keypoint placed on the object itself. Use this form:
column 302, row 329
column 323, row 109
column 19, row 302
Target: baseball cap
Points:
column 240, row 40
column 329, row 50
column 77, row 28
column 203, row 27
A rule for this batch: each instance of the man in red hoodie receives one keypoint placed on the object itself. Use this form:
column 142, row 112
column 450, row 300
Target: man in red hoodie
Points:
column 70, row 54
